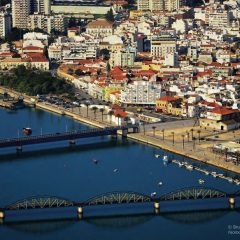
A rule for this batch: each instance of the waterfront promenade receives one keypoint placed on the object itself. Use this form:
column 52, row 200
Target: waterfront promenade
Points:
column 153, row 134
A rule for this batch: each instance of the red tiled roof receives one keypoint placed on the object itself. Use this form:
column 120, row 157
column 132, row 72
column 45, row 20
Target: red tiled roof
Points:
column 121, row 113
column 167, row 98
column 224, row 110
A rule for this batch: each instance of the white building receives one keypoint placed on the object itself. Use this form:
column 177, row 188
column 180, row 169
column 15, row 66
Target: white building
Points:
column 219, row 18
column 163, row 45
column 122, row 58
column 141, row 92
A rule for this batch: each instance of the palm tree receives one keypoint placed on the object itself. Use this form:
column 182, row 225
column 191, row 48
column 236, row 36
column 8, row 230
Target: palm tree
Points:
column 110, row 113
column 154, row 129
column 119, row 116
column 102, row 111
column 95, row 111
column 163, row 136
column 126, row 119
column 199, row 135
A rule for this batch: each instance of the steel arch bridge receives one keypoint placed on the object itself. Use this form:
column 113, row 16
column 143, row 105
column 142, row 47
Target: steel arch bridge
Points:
column 111, row 198
column 193, row 194
column 40, row 202
column 118, row 198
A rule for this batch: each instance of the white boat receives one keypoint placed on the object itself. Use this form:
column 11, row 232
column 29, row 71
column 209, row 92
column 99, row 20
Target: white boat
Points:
column 115, row 170
column 237, row 182
column 95, row 161
column 189, row 167
column 180, row 164
column 230, row 179
column 153, row 194
column 201, row 181
column 160, row 184
column 165, row 158
column 214, row 174
column 157, row 155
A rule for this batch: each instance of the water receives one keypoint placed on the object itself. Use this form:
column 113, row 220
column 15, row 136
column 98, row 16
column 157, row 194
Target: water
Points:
column 69, row 172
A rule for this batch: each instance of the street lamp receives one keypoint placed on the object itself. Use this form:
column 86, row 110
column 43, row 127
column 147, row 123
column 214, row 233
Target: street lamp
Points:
column 173, row 138
column 163, row 131
column 183, row 140
column 188, row 134
column 192, row 130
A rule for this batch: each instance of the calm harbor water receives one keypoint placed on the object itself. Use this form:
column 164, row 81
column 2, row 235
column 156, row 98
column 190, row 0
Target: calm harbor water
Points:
column 69, row 172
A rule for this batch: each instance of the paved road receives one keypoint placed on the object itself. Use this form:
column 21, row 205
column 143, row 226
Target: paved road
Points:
column 170, row 125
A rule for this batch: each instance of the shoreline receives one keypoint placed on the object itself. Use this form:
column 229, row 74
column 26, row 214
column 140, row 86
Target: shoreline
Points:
column 135, row 137
column 181, row 153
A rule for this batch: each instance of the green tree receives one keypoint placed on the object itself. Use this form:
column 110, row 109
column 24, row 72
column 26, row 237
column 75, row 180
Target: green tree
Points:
column 110, row 16
column 95, row 111
column 110, row 113
column 102, row 111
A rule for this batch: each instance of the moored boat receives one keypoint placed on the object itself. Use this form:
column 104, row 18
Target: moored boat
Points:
column 27, row 131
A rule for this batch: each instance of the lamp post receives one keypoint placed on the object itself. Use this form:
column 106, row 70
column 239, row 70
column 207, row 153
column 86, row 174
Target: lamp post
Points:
column 154, row 129
column 173, row 138
column 163, row 136
column 188, row 135
column 199, row 135
column 183, row 143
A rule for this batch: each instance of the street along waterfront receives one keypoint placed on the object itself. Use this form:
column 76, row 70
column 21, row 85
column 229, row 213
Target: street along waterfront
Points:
column 70, row 172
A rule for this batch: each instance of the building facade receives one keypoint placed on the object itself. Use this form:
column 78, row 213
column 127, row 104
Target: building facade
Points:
column 5, row 24
column 163, row 45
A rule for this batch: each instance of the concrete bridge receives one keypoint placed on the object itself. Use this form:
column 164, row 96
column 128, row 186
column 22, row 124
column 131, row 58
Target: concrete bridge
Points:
column 114, row 198
column 69, row 136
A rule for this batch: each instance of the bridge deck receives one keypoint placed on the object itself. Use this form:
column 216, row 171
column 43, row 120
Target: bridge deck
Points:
column 14, row 142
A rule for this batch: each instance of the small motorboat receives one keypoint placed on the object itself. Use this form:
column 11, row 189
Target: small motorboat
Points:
column 115, row 170
column 157, row 155
column 160, row 183
column 189, row 167
column 27, row 131
column 201, row 181
column 165, row 159
column 153, row 194
column 214, row 174
column 95, row 161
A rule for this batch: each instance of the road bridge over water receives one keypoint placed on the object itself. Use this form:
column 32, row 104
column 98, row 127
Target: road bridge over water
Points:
column 69, row 136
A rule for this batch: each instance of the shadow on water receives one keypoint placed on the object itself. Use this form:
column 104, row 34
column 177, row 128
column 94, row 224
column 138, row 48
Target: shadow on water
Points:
column 195, row 217
column 42, row 226
column 117, row 222
column 63, row 150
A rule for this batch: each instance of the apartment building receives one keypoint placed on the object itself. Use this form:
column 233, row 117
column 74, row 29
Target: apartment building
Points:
column 21, row 9
column 141, row 92
column 160, row 5
column 5, row 24
column 163, row 45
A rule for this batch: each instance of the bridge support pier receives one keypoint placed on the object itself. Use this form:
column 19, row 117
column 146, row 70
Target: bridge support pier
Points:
column 124, row 132
column 2, row 216
column 80, row 210
column 19, row 148
column 72, row 142
column 157, row 207
column 136, row 130
column 231, row 201
column 80, row 213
